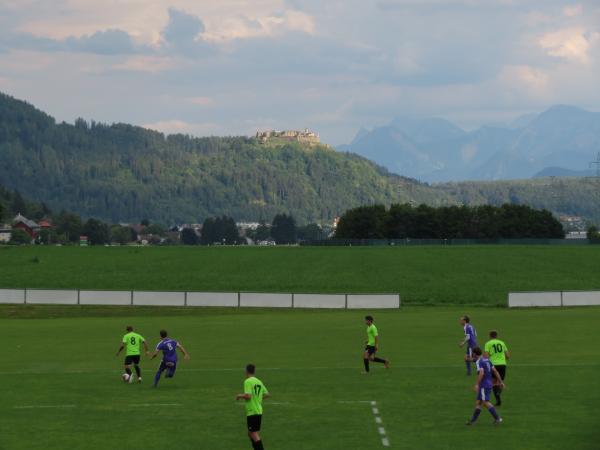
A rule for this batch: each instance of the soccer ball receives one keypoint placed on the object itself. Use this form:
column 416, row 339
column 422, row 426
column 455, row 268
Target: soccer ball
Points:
column 126, row 377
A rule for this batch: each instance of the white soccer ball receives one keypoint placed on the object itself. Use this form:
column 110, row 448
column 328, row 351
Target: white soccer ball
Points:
column 126, row 377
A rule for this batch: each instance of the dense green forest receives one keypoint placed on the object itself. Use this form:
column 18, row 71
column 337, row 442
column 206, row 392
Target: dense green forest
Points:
column 448, row 222
column 121, row 172
column 124, row 173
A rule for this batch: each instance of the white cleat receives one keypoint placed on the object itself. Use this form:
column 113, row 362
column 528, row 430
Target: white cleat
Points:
column 139, row 379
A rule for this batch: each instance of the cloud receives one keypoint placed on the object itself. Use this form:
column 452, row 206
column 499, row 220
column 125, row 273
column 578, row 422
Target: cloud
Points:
column 108, row 42
column 175, row 126
column 572, row 44
column 573, row 10
column 182, row 28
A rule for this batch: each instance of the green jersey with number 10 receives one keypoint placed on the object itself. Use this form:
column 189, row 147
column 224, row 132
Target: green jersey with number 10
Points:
column 497, row 351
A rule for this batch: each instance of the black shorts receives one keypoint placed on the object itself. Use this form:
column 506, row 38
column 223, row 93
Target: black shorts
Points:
column 132, row 359
column 370, row 349
column 501, row 371
column 254, row 422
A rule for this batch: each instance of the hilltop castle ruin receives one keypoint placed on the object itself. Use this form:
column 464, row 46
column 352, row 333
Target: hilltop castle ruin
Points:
column 305, row 137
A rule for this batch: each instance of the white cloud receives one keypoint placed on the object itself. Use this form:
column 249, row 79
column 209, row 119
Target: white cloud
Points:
column 148, row 63
column 573, row 10
column 200, row 101
column 176, row 126
column 572, row 44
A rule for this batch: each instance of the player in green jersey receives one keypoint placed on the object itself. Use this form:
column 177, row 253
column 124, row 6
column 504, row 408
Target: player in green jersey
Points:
column 254, row 393
column 372, row 345
column 132, row 342
column 498, row 355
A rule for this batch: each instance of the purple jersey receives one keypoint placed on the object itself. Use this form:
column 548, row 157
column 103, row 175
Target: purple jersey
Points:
column 471, row 334
column 485, row 365
column 169, row 349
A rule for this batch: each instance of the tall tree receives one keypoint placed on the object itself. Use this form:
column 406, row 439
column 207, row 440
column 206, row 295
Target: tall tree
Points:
column 283, row 229
column 97, row 232
column 189, row 236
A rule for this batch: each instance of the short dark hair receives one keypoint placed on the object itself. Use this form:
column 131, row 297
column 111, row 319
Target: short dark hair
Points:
column 493, row 334
column 129, row 328
column 477, row 351
column 163, row 333
column 251, row 368
column 369, row 318
column 466, row 319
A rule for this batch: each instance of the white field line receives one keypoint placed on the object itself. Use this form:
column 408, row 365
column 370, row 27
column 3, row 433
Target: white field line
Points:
column 241, row 370
column 384, row 439
column 43, row 406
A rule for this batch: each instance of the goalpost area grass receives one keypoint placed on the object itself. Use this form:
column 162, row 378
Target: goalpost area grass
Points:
column 61, row 385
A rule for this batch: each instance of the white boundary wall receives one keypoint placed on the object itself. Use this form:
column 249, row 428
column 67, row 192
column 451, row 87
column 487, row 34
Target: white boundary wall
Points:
column 319, row 301
column 105, row 297
column 151, row 298
column 575, row 298
column 53, row 297
column 212, row 299
column 12, row 296
column 529, row 299
column 373, row 301
column 253, row 299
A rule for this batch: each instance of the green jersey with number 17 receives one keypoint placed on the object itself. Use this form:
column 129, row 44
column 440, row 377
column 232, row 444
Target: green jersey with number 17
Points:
column 256, row 389
column 497, row 351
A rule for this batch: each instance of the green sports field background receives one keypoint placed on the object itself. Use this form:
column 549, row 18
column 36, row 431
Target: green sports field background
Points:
column 61, row 385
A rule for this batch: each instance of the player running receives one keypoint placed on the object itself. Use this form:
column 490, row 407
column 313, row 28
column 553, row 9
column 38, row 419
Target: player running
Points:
column 470, row 339
column 254, row 393
column 372, row 345
column 485, row 373
column 132, row 342
column 498, row 355
column 169, row 362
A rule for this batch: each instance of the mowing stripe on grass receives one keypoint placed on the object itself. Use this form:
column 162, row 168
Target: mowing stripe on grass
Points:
column 237, row 369
column 43, row 406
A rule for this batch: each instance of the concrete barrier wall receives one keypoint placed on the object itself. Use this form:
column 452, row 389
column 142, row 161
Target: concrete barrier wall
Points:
column 148, row 298
column 53, row 297
column 575, row 298
column 529, row 299
column 212, row 299
column 373, row 301
column 105, row 297
column 319, row 301
column 251, row 299
column 12, row 296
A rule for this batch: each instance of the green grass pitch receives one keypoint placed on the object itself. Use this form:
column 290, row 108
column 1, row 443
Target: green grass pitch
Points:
column 61, row 386
column 433, row 275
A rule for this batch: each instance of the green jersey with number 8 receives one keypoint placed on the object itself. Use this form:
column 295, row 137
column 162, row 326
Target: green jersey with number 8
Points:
column 133, row 344
column 497, row 351
column 256, row 389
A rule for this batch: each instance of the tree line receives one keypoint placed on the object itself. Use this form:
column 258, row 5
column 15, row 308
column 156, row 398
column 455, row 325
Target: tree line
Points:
column 402, row 221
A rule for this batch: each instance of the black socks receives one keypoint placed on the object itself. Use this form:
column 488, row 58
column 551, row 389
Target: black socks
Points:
column 379, row 360
column 128, row 371
column 138, row 372
column 366, row 361
column 257, row 445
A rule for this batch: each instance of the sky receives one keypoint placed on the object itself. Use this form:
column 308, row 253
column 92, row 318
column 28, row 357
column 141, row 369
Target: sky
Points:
column 232, row 67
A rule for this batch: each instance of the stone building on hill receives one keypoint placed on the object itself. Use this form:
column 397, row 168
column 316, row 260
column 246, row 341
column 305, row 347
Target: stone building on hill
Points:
column 305, row 137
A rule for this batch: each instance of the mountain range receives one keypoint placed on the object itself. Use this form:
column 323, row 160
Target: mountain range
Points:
column 562, row 140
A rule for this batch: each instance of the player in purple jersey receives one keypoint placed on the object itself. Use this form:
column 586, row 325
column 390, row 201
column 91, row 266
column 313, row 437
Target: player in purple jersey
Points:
column 169, row 362
column 470, row 339
column 486, row 372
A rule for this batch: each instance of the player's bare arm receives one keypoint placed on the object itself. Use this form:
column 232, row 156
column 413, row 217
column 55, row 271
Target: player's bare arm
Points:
column 153, row 354
column 186, row 355
column 506, row 354
column 120, row 349
column 243, row 396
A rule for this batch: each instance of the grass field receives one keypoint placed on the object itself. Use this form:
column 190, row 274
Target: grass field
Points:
column 61, row 387
column 422, row 275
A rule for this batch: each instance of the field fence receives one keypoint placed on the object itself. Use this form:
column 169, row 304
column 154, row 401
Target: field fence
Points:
column 199, row 299
column 553, row 299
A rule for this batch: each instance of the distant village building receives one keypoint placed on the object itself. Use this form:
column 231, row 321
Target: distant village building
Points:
column 28, row 226
column 5, row 233
column 305, row 137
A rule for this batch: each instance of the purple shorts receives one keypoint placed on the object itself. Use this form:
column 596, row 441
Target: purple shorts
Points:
column 483, row 394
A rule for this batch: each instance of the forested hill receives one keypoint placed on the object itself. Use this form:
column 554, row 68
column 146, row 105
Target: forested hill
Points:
column 121, row 172
column 578, row 196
